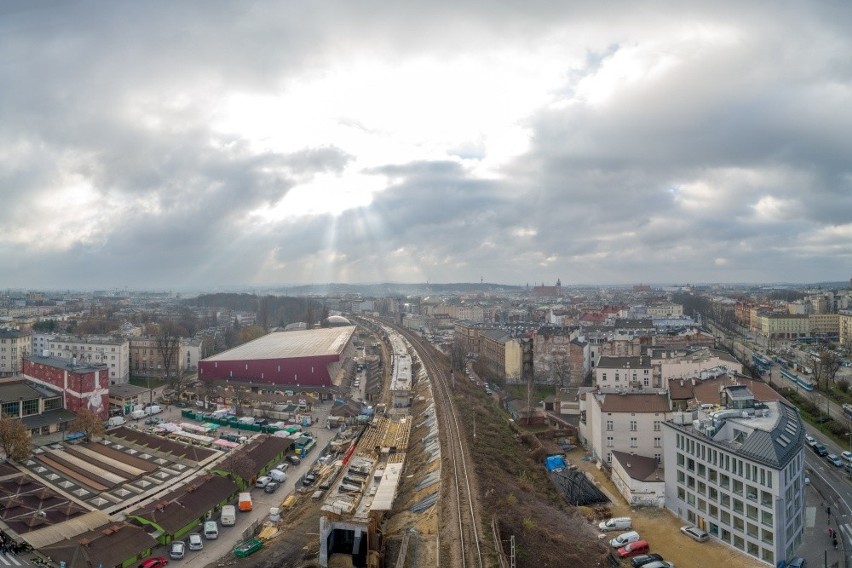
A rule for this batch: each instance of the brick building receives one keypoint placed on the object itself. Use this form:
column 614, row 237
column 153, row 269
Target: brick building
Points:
column 84, row 385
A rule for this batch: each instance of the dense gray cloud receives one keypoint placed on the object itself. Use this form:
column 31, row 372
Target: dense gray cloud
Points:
column 199, row 144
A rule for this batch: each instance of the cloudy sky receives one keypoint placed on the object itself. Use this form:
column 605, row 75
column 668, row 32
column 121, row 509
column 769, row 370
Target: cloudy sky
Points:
column 184, row 144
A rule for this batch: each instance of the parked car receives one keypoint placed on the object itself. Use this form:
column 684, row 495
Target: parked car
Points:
column 271, row 487
column 154, row 562
column 820, row 449
column 659, row 564
column 211, row 530
column 624, row 538
column 694, row 533
column 835, row 460
column 797, row 562
column 195, row 542
column 846, row 456
column 295, row 460
column 309, row 479
column 643, row 559
column 633, row 548
column 615, row 524
column 262, row 481
column 177, row 550
column 810, row 440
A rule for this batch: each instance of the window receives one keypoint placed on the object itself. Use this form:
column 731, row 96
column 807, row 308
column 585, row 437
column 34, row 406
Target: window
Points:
column 634, row 442
column 656, row 425
column 609, row 425
column 609, row 442
column 632, row 425
column 30, row 407
column 658, row 442
column 658, row 457
column 603, row 376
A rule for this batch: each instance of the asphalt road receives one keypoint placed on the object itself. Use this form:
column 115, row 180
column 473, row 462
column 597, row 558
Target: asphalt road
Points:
column 214, row 550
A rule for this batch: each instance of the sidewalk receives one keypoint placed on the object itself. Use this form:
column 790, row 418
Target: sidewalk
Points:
column 817, row 545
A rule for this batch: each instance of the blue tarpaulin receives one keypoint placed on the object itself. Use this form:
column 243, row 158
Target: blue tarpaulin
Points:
column 554, row 462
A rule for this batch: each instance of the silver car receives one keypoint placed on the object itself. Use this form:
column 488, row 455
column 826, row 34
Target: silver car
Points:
column 694, row 533
column 177, row 550
column 195, row 542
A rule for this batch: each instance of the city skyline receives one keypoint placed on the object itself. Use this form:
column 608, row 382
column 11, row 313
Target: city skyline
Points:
column 199, row 145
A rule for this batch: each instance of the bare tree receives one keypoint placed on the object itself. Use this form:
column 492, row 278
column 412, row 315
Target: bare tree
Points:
column 826, row 366
column 14, row 439
column 89, row 423
column 168, row 343
column 457, row 356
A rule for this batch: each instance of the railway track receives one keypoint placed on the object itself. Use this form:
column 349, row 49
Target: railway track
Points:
column 462, row 533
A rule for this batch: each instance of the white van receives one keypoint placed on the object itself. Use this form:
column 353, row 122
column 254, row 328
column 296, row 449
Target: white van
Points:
column 115, row 421
column 151, row 410
column 624, row 538
column 278, row 475
column 229, row 516
column 615, row 524
column 211, row 530
column 137, row 414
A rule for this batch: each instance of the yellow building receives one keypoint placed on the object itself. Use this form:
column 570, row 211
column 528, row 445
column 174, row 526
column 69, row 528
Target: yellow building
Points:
column 844, row 325
column 784, row 325
column 824, row 323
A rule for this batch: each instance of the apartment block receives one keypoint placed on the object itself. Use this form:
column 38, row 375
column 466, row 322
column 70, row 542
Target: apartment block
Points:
column 625, row 373
column 625, row 422
column 108, row 350
column 14, row 346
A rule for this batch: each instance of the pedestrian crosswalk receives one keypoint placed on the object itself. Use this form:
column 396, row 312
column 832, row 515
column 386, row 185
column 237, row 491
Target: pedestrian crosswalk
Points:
column 12, row 560
column 847, row 532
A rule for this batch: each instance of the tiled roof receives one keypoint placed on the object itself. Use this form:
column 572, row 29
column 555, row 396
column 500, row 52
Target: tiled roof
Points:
column 634, row 402
column 640, row 468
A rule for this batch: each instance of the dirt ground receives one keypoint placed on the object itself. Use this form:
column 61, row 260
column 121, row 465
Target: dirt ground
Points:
column 661, row 529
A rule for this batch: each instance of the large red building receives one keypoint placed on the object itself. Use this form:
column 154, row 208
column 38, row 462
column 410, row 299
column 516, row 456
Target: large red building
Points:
column 308, row 357
column 83, row 385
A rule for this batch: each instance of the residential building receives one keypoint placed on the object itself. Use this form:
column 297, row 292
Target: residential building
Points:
column 625, row 373
column 686, row 363
column 14, row 346
column 191, row 353
column 786, row 326
column 111, row 351
column 468, row 334
column 824, row 324
column 664, row 310
column 147, row 358
column 739, row 473
column 560, row 357
column 844, row 325
column 624, row 422
column 501, row 354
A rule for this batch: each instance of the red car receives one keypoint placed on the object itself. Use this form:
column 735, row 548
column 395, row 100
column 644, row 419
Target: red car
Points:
column 634, row 548
column 154, row 562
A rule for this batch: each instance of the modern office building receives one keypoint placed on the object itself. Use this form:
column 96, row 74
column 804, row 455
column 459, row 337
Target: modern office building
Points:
column 736, row 469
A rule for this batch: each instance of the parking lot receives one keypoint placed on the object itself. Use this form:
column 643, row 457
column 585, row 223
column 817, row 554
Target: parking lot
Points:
column 662, row 530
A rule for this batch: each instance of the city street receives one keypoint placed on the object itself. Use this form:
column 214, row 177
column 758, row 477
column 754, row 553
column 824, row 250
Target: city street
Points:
column 830, row 491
